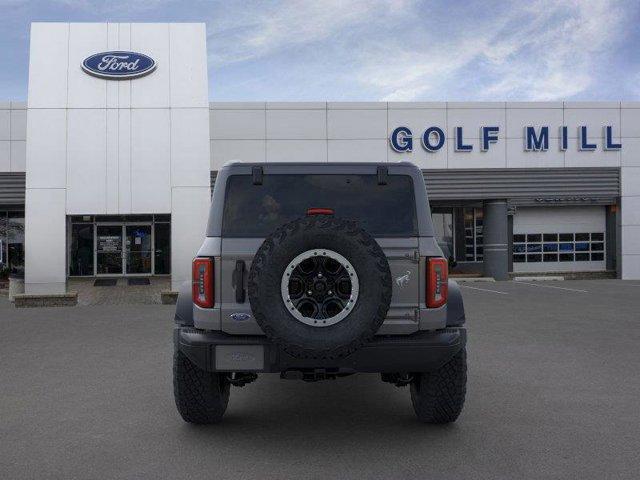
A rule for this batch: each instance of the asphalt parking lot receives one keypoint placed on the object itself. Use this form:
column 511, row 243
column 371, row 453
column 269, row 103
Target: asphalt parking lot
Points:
column 554, row 392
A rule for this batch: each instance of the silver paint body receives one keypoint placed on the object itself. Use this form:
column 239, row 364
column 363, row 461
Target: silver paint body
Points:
column 406, row 256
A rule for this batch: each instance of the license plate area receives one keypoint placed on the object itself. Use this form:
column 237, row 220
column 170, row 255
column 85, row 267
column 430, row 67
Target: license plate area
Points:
column 239, row 358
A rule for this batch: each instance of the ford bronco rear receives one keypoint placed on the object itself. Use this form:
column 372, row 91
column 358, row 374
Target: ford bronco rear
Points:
column 317, row 271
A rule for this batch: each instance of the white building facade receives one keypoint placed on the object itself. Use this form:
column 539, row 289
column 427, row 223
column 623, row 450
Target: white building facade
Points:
column 118, row 171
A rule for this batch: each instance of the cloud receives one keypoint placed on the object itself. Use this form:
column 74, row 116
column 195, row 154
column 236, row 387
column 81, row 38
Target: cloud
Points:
column 548, row 50
column 389, row 49
column 106, row 7
column 261, row 29
column 557, row 56
column 409, row 50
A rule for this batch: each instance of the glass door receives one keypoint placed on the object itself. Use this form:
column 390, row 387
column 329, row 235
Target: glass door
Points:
column 162, row 241
column 139, row 249
column 109, row 249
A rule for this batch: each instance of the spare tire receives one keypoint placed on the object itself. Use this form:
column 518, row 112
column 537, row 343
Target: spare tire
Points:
column 320, row 287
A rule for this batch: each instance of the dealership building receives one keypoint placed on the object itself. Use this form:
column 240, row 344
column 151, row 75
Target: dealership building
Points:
column 107, row 168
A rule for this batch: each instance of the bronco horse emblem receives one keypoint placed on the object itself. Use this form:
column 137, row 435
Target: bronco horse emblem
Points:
column 403, row 280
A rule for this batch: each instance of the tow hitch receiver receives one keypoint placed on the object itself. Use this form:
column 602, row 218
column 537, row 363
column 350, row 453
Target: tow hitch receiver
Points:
column 312, row 375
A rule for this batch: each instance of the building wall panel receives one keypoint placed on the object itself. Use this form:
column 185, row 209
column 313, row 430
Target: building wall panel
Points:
column 86, row 161
column 48, row 65
column 85, row 91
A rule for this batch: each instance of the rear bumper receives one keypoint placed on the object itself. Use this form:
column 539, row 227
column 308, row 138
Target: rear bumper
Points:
column 420, row 352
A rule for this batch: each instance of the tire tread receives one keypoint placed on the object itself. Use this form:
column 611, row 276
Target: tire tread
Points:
column 201, row 397
column 438, row 397
column 341, row 226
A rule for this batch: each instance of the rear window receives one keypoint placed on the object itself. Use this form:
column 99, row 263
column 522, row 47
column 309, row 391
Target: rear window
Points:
column 257, row 210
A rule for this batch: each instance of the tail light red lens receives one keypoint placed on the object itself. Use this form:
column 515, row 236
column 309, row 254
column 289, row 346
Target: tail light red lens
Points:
column 202, row 282
column 437, row 282
column 320, row 211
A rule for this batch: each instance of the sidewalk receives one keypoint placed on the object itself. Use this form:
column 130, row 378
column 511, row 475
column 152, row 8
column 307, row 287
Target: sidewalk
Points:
column 121, row 293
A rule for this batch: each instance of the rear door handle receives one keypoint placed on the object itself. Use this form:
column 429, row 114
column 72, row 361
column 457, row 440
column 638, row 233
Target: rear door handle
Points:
column 238, row 281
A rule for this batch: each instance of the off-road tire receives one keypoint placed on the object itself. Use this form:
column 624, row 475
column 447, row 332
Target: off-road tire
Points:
column 438, row 397
column 320, row 232
column 201, row 397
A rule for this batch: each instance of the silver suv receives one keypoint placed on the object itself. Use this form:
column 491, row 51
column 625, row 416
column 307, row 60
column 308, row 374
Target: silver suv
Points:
column 318, row 271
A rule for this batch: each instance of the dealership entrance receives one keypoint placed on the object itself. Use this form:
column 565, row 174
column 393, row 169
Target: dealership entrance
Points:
column 123, row 249
column 134, row 245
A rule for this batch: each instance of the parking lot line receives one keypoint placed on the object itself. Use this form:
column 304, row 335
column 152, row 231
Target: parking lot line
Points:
column 484, row 289
column 552, row 286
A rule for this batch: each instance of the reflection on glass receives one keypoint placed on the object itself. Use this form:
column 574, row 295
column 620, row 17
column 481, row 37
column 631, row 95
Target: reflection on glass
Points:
column 138, row 244
column 110, row 263
column 163, row 248
column 109, row 249
column 15, row 241
column 81, row 249
column 566, row 247
column 570, row 251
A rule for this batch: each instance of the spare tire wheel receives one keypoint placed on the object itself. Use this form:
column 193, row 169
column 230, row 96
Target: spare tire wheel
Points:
column 320, row 287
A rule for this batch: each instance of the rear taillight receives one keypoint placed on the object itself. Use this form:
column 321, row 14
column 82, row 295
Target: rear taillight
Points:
column 320, row 211
column 437, row 282
column 202, row 280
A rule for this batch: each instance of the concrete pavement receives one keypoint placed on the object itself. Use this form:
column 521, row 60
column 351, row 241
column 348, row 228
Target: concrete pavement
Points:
column 85, row 392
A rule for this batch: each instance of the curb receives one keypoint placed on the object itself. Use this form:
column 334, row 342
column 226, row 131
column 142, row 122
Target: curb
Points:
column 538, row 279
column 475, row 279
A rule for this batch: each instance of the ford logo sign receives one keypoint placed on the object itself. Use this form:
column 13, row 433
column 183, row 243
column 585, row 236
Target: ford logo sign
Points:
column 240, row 316
column 118, row 65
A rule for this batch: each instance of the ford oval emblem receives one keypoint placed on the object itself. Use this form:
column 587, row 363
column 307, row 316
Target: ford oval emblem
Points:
column 118, row 65
column 240, row 316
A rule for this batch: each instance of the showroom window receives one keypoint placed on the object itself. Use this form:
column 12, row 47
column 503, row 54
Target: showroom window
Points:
column 115, row 245
column 459, row 231
column 443, row 228
column 558, row 247
column 11, row 242
column 473, row 239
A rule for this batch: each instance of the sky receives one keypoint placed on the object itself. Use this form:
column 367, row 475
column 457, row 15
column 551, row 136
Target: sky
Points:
column 377, row 50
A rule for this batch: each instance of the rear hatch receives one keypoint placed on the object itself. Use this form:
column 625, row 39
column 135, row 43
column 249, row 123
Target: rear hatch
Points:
column 254, row 209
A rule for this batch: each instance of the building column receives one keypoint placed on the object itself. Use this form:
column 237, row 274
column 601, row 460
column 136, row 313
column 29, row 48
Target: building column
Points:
column 45, row 241
column 189, row 216
column 495, row 240
column 629, row 266
column 611, row 236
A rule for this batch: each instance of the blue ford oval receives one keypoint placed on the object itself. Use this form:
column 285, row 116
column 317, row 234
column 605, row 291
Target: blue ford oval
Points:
column 118, row 65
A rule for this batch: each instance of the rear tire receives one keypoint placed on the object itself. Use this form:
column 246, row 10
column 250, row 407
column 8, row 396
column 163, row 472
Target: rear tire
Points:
column 438, row 397
column 201, row 397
